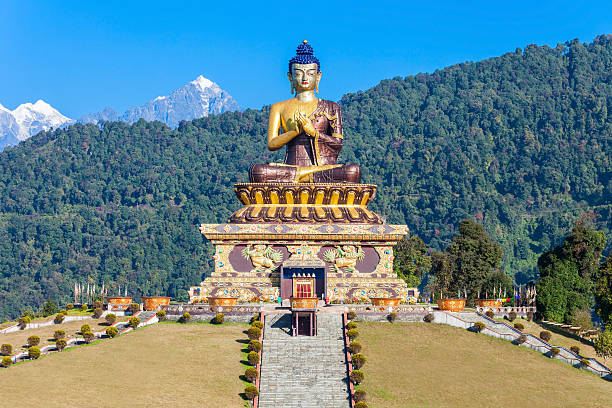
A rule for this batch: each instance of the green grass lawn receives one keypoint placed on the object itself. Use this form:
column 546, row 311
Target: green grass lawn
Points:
column 173, row 365
column 434, row 365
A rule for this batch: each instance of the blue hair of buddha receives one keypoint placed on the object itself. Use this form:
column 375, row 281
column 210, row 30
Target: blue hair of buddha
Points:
column 304, row 55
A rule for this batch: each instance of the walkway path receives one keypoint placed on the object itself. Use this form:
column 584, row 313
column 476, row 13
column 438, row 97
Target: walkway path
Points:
column 303, row 371
column 504, row 331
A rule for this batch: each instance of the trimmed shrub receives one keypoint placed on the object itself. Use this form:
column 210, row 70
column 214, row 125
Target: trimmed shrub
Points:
column 355, row 347
column 88, row 337
column 61, row 344
column 352, row 334
column 521, row 339
column 59, row 318
column 429, row 317
column 361, row 404
column 358, row 361
column 59, row 334
column 584, row 362
column 255, row 318
column 519, row 326
column 64, row 312
column 356, row 376
column 134, row 322
column 250, row 391
column 529, row 316
column 110, row 318
column 112, row 332
column 33, row 341
column 512, row 316
column 351, row 325
column 161, row 315
column 85, row 328
column 97, row 304
column 392, row 317
column 351, row 315
column 254, row 345
column 251, row 374
column 185, row 318
column 254, row 333
column 84, row 308
column 479, row 326
column 360, row 395
column 6, row 349
column 69, row 306
column 490, row 314
column 6, row 361
column 253, row 358
column 554, row 351
column 575, row 349
column 257, row 324
column 218, row 319
column 134, row 308
column 34, row 352
column 545, row 335
column 24, row 321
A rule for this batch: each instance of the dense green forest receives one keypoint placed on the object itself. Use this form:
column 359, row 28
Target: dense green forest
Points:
column 521, row 143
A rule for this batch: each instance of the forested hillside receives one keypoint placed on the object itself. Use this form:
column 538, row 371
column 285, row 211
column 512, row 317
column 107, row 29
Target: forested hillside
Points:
column 521, row 143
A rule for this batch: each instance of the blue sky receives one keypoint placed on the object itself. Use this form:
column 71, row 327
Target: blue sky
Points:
column 82, row 56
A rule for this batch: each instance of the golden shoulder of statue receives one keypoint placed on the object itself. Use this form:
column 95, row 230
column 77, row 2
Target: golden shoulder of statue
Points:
column 311, row 128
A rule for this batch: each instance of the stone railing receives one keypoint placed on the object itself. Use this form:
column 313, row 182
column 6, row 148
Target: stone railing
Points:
column 503, row 311
column 365, row 309
column 574, row 330
column 205, row 309
column 504, row 331
column 405, row 313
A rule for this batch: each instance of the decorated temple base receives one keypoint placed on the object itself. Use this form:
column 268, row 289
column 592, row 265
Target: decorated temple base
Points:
column 349, row 262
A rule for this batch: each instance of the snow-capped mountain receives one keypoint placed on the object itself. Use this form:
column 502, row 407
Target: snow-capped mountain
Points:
column 200, row 97
column 27, row 120
column 197, row 99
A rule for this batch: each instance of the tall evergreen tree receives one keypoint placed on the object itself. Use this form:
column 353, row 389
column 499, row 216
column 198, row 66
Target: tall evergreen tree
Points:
column 568, row 272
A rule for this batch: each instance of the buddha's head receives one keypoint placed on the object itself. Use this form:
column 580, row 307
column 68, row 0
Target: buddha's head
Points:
column 304, row 69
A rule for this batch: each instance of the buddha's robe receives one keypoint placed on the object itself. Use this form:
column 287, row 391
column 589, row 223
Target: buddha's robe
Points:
column 312, row 159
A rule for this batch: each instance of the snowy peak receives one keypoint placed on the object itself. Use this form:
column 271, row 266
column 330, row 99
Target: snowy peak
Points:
column 27, row 120
column 203, row 83
column 198, row 98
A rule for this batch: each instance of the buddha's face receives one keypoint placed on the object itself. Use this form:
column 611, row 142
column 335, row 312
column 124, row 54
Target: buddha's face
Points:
column 304, row 77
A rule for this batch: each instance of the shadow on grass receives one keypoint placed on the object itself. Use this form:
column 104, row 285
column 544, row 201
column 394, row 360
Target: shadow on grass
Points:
column 243, row 341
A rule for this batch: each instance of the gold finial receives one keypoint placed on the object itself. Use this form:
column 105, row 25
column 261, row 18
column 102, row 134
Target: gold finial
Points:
column 305, row 41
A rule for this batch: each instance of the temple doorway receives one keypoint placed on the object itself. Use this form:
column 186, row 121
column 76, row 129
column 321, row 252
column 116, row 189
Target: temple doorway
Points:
column 289, row 273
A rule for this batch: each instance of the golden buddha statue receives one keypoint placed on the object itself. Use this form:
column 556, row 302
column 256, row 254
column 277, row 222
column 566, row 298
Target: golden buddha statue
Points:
column 311, row 128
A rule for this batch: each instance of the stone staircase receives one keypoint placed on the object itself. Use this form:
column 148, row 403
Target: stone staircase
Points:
column 303, row 371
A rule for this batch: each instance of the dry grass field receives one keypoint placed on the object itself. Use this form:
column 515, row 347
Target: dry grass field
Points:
column 558, row 339
column 18, row 339
column 161, row 365
column 433, row 365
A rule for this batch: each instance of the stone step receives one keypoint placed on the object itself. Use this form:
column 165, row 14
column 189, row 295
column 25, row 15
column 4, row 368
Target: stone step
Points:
column 303, row 371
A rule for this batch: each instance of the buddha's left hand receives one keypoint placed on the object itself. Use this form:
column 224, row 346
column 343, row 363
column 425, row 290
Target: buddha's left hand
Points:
column 306, row 124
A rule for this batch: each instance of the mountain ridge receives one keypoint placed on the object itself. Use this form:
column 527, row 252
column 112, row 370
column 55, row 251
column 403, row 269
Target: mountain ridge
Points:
column 522, row 143
column 27, row 120
column 198, row 98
